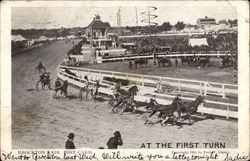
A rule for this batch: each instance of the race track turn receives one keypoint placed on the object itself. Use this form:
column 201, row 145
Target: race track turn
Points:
column 41, row 122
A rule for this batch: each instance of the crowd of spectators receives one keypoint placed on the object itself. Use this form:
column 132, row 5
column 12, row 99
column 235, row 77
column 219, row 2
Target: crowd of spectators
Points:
column 18, row 47
column 76, row 50
column 220, row 42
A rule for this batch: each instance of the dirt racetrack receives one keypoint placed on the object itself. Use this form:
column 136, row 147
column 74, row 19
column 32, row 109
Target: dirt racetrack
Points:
column 41, row 122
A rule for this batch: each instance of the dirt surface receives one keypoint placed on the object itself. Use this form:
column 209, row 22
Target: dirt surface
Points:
column 41, row 122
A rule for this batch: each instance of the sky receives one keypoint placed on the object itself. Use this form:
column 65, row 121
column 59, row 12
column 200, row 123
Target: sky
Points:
column 57, row 17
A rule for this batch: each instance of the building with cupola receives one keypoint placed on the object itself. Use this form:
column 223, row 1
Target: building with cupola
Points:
column 98, row 28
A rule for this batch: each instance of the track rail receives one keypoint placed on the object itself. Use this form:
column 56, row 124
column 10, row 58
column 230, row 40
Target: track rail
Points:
column 225, row 109
column 126, row 58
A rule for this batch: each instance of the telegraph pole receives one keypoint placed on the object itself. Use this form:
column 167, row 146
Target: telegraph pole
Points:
column 136, row 19
column 118, row 23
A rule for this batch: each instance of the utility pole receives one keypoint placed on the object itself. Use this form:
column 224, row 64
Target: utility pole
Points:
column 136, row 19
column 148, row 17
column 118, row 30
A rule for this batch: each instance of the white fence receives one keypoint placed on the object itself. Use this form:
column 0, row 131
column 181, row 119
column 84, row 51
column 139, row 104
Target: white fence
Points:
column 126, row 58
column 144, row 83
column 192, row 86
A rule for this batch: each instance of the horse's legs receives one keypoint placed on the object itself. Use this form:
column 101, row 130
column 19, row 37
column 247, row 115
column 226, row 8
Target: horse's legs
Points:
column 163, row 122
column 37, row 84
column 154, row 111
column 80, row 94
column 53, row 93
column 49, row 86
column 118, row 103
column 87, row 93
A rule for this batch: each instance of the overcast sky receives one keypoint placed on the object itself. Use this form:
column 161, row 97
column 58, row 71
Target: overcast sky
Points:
column 56, row 17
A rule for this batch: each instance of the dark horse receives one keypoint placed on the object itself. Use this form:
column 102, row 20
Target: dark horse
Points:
column 141, row 62
column 166, row 111
column 62, row 88
column 163, row 61
column 44, row 82
column 187, row 60
column 227, row 61
column 204, row 62
column 189, row 108
column 124, row 100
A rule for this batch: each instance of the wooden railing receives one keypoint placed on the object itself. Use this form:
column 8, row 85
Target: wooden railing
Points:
column 194, row 86
column 173, row 54
column 208, row 107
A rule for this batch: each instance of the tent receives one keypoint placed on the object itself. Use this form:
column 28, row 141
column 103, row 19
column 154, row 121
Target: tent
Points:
column 17, row 38
column 71, row 37
column 42, row 38
column 198, row 41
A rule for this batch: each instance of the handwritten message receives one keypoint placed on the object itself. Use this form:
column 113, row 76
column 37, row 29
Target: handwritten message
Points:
column 119, row 155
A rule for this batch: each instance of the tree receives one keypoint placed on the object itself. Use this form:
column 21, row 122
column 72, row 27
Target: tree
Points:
column 166, row 26
column 179, row 25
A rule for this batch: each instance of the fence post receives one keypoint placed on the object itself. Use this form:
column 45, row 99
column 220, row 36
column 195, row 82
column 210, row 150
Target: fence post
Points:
column 100, row 75
column 223, row 91
column 200, row 88
column 202, row 107
column 142, row 77
column 160, row 85
column 205, row 88
column 227, row 117
column 179, row 85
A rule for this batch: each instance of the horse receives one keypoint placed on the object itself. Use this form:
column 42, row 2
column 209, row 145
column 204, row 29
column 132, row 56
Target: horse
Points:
column 124, row 100
column 163, row 61
column 62, row 88
column 189, row 108
column 141, row 62
column 226, row 61
column 91, row 90
column 185, row 60
column 204, row 62
column 40, row 69
column 44, row 82
column 166, row 111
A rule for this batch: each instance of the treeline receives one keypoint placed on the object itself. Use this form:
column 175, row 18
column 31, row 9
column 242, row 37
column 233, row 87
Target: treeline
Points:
column 166, row 26
column 36, row 33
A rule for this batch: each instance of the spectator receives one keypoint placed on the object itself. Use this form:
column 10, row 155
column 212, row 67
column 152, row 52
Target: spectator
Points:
column 152, row 103
column 114, row 141
column 176, row 62
column 69, row 143
column 130, row 64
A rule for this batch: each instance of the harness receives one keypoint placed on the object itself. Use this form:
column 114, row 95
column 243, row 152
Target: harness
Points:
column 42, row 77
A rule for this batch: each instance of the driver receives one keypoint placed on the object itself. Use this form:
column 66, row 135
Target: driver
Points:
column 86, row 83
column 42, row 77
column 152, row 102
column 57, row 83
column 47, row 77
column 40, row 64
